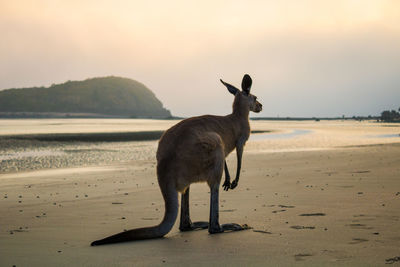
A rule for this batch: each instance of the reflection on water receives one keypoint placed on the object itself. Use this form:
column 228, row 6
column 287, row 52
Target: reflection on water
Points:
column 387, row 135
column 294, row 133
column 53, row 126
column 31, row 154
column 27, row 154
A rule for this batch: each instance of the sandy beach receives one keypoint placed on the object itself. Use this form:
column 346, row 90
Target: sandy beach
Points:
column 323, row 198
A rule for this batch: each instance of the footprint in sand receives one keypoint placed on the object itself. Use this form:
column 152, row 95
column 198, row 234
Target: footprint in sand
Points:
column 361, row 172
column 313, row 214
column 359, row 226
column 19, row 230
column 41, row 216
column 301, row 256
column 393, row 260
column 232, row 210
column 358, row 241
column 284, row 206
column 300, row 227
column 262, row 231
column 276, row 211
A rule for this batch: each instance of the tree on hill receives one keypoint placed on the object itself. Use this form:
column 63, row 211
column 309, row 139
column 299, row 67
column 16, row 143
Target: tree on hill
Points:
column 390, row 116
column 111, row 96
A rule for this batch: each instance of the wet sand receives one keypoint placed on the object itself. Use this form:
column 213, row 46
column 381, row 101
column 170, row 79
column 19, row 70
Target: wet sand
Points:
column 307, row 208
column 315, row 193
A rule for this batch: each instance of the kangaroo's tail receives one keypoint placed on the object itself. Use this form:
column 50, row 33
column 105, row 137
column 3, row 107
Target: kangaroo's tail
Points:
column 170, row 195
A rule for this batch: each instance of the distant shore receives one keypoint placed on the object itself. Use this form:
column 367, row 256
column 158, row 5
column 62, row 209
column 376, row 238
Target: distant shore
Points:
column 356, row 118
column 94, row 137
column 61, row 115
column 88, row 137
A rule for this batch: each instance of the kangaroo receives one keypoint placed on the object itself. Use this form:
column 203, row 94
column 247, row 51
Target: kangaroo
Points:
column 194, row 150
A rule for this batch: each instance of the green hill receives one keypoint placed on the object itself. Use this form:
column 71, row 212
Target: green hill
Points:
column 107, row 96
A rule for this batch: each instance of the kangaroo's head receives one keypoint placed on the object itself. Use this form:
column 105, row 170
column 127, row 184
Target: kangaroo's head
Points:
column 243, row 98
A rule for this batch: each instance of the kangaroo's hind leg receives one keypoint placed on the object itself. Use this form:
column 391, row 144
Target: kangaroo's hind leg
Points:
column 214, row 184
column 186, row 224
column 215, row 227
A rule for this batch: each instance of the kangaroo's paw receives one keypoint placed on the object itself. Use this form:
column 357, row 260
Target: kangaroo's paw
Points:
column 227, row 185
column 193, row 226
column 234, row 184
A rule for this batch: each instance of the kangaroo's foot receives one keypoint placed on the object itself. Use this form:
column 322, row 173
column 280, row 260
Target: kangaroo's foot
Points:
column 193, row 226
column 228, row 227
column 235, row 227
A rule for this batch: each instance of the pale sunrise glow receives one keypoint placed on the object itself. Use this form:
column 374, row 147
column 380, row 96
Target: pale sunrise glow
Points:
column 307, row 58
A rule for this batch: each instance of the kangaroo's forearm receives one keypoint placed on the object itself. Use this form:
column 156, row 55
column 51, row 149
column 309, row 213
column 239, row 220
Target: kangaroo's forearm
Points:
column 227, row 176
column 227, row 182
column 239, row 153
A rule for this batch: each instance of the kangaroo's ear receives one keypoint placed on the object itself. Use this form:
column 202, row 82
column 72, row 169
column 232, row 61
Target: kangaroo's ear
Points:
column 246, row 83
column 232, row 89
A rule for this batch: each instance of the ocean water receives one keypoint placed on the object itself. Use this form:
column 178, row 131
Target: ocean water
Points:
column 279, row 135
column 17, row 155
column 21, row 155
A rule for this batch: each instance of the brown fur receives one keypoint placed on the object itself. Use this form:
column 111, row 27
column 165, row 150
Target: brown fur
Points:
column 192, row 151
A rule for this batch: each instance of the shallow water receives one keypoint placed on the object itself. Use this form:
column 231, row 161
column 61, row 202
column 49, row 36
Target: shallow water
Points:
column 37, row 155
column 30, row 154
column 292, row 134
column 388, row 135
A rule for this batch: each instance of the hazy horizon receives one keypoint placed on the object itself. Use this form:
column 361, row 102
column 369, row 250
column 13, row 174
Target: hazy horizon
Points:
column 306, row 58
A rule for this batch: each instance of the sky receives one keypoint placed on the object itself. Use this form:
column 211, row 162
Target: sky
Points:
column 307, row 58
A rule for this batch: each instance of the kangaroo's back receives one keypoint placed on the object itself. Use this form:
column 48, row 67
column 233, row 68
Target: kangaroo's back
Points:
column 186, row 133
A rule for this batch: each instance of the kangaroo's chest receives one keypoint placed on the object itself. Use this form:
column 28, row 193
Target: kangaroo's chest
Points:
column 231, row 143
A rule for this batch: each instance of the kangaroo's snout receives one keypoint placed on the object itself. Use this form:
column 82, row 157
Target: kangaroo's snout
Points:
column 258, row 107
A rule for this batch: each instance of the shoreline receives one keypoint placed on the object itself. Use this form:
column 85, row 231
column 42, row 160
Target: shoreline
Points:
column 87, row 137
column 112, row 166
column 97, row 167
column 98, row 136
